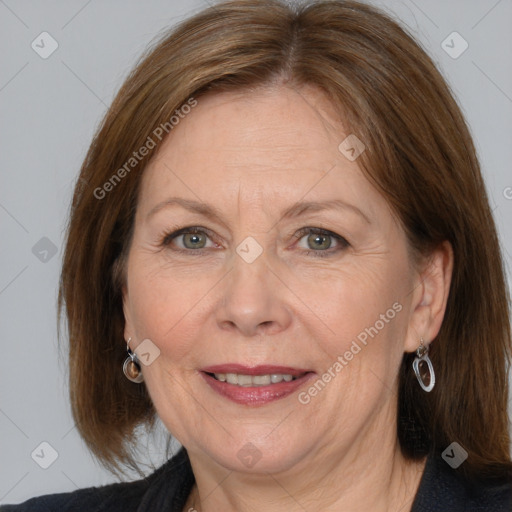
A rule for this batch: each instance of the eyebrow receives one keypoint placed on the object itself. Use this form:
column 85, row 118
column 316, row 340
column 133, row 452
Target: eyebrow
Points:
column 297, row 209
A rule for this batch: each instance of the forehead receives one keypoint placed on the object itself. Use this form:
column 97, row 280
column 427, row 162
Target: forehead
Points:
column 279, row 120
column 273, row 142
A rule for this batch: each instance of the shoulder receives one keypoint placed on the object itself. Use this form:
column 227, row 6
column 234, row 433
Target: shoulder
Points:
column 113, row 497
column 117, row 497
column 443, row 488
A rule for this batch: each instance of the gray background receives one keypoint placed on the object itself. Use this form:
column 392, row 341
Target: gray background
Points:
column 49, row 109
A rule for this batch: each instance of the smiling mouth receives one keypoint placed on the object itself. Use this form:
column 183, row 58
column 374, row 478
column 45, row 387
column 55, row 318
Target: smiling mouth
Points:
column 255, row 386
column 243, row 380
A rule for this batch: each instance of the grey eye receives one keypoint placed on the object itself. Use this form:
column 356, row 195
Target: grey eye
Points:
column 194, row 240
column 318, row 241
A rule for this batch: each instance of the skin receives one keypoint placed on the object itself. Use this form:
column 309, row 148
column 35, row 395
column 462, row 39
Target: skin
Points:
column 251, row 156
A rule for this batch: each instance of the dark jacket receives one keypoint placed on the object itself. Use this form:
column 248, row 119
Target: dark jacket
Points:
column 441, row 490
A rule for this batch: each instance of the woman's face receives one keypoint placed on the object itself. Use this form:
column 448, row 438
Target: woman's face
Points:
column 288, row 264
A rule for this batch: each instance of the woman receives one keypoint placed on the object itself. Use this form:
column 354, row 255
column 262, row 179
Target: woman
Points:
column 282, row 229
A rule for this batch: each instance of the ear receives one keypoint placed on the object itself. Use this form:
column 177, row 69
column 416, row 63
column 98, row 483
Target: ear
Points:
column 128, row 321
column 119, row 278
column 429, row 297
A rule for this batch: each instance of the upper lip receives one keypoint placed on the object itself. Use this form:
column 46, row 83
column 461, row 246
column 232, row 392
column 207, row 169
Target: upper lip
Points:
column 266, row 369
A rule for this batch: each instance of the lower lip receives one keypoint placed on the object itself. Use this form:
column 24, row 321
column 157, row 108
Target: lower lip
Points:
column 253, row 395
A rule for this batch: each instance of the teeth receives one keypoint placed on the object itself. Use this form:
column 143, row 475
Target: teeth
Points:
column 261, row 380
column 244, row 380
column 253, row 380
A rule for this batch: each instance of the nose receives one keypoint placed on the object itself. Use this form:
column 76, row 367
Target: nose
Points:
column 254, row 300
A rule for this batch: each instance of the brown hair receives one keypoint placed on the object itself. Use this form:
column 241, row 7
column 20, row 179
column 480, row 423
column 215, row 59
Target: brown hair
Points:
column 419, row 154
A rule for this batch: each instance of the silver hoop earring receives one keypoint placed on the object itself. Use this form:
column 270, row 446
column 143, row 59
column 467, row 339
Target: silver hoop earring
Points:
column 131, row 366
column 423, row 368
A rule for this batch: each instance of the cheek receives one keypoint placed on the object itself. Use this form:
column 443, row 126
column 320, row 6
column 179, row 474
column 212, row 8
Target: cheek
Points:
column 161, row 305
column 364, row 310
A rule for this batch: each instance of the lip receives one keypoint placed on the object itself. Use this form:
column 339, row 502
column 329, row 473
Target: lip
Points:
column 252, row 395
column 254, row 370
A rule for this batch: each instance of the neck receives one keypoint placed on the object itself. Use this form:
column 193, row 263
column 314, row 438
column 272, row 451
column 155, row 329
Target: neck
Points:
column 371, row 475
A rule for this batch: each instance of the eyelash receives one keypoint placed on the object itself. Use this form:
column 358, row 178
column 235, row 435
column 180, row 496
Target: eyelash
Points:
column 342, row 243
column 168, row 237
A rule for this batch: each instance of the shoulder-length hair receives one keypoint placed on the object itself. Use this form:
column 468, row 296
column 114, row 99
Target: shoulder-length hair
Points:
column 419, row 155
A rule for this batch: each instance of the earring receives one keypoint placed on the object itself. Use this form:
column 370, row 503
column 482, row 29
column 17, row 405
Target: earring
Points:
column 131, row 366
column 423, row 368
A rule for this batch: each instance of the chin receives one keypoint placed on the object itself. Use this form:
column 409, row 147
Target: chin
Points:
column 254, row 457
